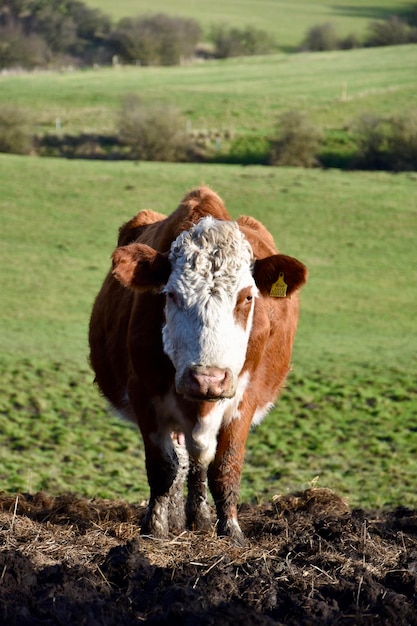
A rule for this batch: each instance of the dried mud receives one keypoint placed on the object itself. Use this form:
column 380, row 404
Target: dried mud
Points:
column 309, row 560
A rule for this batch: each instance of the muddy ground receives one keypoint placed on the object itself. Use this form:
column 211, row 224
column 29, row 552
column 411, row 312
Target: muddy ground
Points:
column 309, row 560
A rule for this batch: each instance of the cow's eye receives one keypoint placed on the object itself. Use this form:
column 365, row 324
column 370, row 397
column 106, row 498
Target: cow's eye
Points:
column 172, row 296
column 249, row 298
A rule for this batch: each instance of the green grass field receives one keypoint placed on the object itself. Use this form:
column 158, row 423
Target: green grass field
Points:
column 349, row 413
column 244, row 96
column 288, row 21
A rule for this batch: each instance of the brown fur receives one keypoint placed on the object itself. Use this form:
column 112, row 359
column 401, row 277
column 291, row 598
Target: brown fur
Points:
column 127, row 353
column 159, row 232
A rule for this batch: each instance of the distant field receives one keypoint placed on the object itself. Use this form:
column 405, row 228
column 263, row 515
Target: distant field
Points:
column 287, row 20
column 240, row 95
column 349, row 412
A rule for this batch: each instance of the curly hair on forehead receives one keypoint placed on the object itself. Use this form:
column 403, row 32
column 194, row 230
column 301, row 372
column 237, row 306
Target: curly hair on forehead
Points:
column 218, row 240
column 210, row 263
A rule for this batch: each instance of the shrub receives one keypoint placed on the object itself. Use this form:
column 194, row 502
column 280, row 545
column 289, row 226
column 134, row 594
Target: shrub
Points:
column 323, row 37
column 14, row 131
column 20, row 50
column 152, row 133
column 37, row 32
column 390, row 32
column 402, row 142
column 371, row 134
column 156, row 40
column 69, row 27
column 297, row 142
column 386, row 143
column 320, row 38
column 231, row 42
column 349, row 42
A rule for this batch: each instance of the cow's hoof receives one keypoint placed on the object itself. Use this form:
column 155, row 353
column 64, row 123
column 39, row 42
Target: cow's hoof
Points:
column 155, row 522
column 177, row 518
column 200, row 517
column 230, row 529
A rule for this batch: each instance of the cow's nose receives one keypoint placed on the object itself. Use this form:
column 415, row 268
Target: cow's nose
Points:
column 211, row 383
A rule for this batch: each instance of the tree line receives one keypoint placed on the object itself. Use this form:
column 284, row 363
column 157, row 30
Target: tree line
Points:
column 41, row 33
column 47, row 33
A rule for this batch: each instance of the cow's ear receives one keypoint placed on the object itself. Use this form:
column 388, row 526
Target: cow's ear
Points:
column 279, row 275
column 140, row 267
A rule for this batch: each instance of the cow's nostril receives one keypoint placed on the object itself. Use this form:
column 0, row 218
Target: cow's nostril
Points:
column 211, row 382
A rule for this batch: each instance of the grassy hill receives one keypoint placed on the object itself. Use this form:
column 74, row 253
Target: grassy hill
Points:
column 241, row 95
column 348, row 414
column 288, row 21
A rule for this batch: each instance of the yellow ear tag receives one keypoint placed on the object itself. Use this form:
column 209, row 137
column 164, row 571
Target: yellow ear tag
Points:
column 279, row 288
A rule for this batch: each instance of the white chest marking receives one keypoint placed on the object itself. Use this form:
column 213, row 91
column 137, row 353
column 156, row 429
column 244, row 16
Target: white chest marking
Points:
column 200, row 436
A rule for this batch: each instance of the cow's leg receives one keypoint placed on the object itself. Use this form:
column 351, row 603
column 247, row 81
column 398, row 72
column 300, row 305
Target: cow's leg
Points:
column 197, row 508
column 176, row 504
column 166, row 474
column 224, row 475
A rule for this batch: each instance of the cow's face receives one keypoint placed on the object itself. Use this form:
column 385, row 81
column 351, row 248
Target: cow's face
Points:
column 210, row 297
column 211, row 282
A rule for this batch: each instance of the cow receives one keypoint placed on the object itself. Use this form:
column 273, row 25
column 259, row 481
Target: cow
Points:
column 191, row 337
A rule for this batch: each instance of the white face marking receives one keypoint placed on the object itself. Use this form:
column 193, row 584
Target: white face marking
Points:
column 211, row 263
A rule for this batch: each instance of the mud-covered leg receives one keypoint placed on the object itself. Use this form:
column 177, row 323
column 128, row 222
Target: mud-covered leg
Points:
column 224, row 478
column 166, row 475
column 176, row 504
column 197, row 509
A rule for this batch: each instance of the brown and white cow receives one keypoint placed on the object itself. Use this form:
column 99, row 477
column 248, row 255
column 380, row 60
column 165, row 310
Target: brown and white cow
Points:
column 191, row 337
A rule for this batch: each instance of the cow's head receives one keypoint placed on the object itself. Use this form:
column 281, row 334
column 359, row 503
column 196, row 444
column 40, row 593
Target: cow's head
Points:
column 211, row 282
